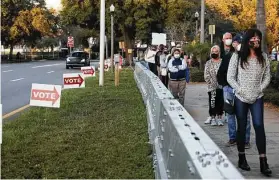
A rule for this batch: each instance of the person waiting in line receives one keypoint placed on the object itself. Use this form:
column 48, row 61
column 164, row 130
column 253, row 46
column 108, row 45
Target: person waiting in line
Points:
column 160, row 52
column 150, row 58
column 249, row 75
column 229, row 95
column 177, row 69
column 226, row 51
column 164, row 67
column 215, row 91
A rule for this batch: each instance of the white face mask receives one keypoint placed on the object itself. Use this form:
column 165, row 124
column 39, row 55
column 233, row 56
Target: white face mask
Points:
column 228, row 42
column 176, row 56
column 238, row 47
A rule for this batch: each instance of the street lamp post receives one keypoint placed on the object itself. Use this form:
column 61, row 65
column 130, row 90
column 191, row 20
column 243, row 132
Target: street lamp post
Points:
column 197, row 18
column 112, row 8
column 202, row 21
column 102, row 42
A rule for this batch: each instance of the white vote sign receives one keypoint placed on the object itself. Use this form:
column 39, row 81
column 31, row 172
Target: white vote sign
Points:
column 88, row 71
column 45, row 95
column 73, row 80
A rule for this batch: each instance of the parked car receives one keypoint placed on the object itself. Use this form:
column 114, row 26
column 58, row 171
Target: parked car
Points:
column 77, row 59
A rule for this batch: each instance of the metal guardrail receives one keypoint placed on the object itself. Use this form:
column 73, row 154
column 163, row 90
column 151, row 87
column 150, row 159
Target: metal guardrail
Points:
column 182, row 150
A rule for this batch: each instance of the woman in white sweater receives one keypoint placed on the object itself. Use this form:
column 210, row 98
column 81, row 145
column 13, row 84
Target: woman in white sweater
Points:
column 249, row 74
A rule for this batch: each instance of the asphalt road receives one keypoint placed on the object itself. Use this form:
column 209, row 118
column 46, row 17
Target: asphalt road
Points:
column 17, row 79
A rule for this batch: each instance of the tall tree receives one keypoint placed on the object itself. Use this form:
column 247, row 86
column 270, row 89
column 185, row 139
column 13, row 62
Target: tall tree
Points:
column 261, row 22
column 24, row 20
column 242, row 14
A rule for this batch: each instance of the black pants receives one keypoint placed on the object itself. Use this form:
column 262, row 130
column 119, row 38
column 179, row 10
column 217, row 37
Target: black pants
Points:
column 257, row 112
column 153, row 68
column 216, row 102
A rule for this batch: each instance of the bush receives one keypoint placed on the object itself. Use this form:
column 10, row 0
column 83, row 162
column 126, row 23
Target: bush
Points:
column 196, row 75
column 272, row 95
column 273, row 69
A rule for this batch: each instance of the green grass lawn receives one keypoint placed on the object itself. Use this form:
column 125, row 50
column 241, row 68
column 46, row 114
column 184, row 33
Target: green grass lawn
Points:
column 98, row 132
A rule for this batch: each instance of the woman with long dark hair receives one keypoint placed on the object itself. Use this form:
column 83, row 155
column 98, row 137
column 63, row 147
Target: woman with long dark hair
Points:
column 249, row 75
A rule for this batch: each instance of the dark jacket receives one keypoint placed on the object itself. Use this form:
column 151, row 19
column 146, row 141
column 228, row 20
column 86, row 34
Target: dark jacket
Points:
column 223, row 69
column 157, row 57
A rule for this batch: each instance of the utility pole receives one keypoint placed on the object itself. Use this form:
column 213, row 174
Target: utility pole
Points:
column 112, row 37
column 202, row 21
column 102, row 42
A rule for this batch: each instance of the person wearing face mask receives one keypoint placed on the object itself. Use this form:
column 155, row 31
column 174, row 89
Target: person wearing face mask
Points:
column 215, row 91
column 229, row 97
column 249, row 75
column 163, row 67
column 157, row 59
column 177, row 70
column 150, row 58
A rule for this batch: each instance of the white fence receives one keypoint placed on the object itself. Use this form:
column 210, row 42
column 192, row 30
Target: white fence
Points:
column 181, row 149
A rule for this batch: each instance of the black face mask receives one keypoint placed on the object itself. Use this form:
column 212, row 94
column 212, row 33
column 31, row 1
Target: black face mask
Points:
column 214, row 56
column 166, row 52
column 254, row 45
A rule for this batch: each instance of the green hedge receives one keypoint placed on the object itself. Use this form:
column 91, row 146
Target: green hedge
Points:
column 196, row 75
column 272, row 95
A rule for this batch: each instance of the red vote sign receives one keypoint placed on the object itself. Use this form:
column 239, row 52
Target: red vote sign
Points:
column 73, row 80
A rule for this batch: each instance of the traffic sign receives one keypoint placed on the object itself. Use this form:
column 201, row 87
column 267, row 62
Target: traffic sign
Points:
column 88, row 71
column 45, row 95
column 211, row 29
column 70, row 41
column 122, row 45
column 73, row 80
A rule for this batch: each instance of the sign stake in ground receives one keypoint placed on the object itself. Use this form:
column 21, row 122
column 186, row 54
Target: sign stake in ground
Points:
column 45, row 95
column 88, row 71
column 73, row 80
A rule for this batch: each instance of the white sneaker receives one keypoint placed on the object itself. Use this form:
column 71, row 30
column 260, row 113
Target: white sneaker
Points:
column 220, row 122
column 208, row 120
column 213, row 122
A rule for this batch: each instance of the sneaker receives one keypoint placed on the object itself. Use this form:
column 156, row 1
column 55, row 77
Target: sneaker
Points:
column 208, row 120
column 220, row 122
column 247, row 145
column 213, row 122
column 231, row 143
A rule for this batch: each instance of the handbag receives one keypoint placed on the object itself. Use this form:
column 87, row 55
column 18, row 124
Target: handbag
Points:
column 229, row 104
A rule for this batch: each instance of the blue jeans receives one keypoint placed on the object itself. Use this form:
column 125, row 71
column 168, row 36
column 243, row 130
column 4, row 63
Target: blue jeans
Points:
column 228, row 94
column 257, row 112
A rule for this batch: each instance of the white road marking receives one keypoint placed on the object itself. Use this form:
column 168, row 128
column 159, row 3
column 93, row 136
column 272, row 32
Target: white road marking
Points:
column 50, row 72
column 4, row 66
column 7, row 71
column 17, row 79
column 48, row 65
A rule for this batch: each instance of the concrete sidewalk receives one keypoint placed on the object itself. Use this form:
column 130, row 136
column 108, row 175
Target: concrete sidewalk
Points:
column 196, row 103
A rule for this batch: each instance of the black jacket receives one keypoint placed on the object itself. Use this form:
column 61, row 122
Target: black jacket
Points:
column 223, row 69
column 157, row 58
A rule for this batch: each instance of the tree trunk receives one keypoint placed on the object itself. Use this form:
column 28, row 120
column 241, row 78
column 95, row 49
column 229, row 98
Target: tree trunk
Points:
column 261, row 22
column 11, row 51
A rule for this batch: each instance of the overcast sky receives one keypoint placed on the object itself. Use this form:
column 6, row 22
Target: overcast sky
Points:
column 56, row 4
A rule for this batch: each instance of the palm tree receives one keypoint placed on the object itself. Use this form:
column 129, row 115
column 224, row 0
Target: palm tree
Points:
column 261, row 22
